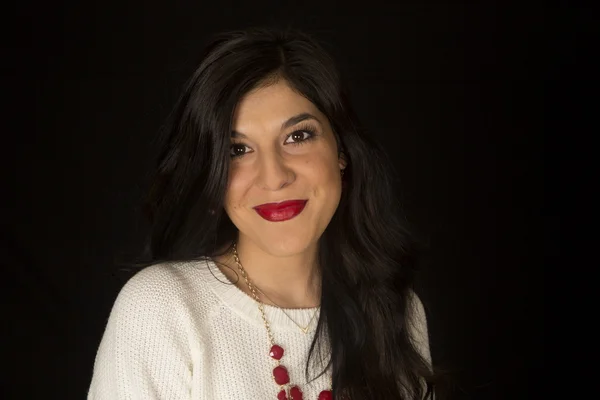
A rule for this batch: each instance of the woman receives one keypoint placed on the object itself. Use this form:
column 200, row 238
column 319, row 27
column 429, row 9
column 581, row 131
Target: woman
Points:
column 277, row 265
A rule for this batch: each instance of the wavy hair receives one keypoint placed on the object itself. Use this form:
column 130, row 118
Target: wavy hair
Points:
column 368, row 256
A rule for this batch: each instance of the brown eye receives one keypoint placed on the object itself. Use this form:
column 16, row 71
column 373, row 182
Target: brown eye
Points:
column 299, row 137
column 237, row 150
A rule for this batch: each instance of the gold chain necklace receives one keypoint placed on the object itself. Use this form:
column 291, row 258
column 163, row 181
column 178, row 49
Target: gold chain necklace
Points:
column 303, row 329
column 280, row 373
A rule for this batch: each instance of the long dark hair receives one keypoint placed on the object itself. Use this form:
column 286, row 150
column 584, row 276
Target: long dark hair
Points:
column 368, row 256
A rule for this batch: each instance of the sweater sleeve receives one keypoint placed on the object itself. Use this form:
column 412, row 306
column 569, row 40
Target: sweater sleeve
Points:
column 419, row 333
column 418, row 328
column 144, row 352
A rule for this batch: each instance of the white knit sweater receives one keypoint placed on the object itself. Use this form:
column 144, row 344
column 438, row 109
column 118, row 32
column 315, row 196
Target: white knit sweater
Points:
column 183, row 331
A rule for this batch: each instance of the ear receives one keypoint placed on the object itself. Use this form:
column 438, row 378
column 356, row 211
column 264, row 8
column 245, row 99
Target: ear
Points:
column 342, row 160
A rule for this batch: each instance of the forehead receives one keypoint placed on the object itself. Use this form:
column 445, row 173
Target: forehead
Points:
column 272, row 105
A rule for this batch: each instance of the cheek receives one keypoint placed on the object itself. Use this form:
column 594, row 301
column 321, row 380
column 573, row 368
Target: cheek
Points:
column 323, row 175
column 323, row 169
column 234, row 191
column 238, row 188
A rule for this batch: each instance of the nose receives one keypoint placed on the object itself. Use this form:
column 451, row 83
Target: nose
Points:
column 274, row 174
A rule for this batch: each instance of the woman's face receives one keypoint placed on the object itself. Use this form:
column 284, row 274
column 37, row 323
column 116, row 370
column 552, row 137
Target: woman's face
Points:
column 283, row 148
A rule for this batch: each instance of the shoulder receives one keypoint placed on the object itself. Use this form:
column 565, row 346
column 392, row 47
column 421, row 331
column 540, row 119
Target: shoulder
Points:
column 158, row 290
column 416, row 312
column 150, row 335
column 416, row 308
column 417, row 325
column 159, row 282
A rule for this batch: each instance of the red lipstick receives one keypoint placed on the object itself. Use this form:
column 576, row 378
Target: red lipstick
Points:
column 282, row 211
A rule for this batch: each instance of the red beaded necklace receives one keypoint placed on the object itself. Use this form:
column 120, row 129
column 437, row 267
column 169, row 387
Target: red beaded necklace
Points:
column 280, row 373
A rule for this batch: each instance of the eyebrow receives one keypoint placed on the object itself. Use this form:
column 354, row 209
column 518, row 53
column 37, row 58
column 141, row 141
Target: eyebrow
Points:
column 296, row 119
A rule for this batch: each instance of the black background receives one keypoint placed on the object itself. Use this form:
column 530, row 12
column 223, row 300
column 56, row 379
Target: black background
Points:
column 446, row 87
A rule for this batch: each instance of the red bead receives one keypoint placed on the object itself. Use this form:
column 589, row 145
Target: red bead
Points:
column 296, row 393
column 282, row 395
column 276, row 352
column 281, row 375
column 325, row 395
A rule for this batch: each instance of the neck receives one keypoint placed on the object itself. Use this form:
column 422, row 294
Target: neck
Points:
column 290, row 281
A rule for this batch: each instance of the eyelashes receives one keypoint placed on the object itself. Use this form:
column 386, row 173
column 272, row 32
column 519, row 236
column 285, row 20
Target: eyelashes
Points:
column 301, row 135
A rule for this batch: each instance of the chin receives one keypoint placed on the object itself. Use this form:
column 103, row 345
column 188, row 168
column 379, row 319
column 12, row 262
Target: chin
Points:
column 285, row 246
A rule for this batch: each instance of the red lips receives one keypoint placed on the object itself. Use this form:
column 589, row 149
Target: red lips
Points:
column 280, row 211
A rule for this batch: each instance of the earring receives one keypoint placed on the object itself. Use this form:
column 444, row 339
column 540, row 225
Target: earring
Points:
column 342, row 173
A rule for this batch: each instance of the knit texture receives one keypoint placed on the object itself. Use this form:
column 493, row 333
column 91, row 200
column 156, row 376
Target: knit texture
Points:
column 184, row 331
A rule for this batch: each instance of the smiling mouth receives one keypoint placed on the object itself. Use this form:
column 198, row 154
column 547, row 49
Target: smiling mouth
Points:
column 277, row 212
